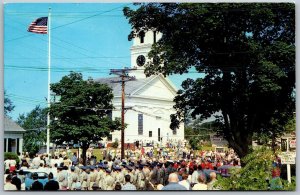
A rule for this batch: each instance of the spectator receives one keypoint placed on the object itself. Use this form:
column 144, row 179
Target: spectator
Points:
column 6, row 174
column 15, row 180
column 8, row 185
column 118, row 186
column 213, row 179
column 201, row 185
column 185, row 182
column 51, row 185
column 36, row 185
column 173, row 183
column 128, row 185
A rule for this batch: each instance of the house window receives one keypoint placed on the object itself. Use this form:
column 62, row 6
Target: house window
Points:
column 150, row 133
column 142, row 36
column 140, row 124
column 154, row 37
column 5, row 140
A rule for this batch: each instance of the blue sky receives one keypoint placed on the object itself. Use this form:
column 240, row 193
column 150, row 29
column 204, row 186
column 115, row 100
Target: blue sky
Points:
column 86, row 38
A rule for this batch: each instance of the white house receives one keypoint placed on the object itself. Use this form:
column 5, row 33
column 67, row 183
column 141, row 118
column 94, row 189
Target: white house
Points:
column 13, row 136
column 149, row 99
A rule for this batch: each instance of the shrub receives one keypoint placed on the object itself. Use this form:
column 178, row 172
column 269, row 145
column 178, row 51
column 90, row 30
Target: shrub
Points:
column 11, row 156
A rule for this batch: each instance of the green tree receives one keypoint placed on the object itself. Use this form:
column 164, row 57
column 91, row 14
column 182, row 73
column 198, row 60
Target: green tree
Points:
column 8, row 104
column 247, row 52
column 82, row 114
column 256, row 175
column 35, row 124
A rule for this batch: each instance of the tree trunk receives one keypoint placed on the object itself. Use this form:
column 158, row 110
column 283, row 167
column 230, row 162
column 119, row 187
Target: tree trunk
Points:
column 84, row 149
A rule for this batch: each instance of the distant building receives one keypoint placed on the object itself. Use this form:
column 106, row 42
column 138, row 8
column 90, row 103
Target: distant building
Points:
column 149, row 99
column 13, row 136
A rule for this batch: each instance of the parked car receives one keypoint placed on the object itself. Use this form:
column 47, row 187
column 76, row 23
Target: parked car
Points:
column 42, row 177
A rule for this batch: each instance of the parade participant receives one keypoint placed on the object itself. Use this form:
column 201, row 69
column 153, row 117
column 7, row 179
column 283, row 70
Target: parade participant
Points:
column 67, row 162
column 173, row 183
column 73, row 178
column 108, row 183
column 100, row 175
column 141, row 178
column 63, row 178
column 92, row 177
column 118, row 176
column 95, row 187
column 153, row 174
column 51, row 185
column 8, row 185
column 85, row 178
column 36, row 185
column 160, row 174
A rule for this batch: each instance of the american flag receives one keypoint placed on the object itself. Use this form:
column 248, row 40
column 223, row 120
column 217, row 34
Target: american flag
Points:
column 39, row 26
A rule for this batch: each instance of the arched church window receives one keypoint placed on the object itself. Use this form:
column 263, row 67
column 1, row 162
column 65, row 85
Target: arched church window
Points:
column 154, row 36
column 142, row 36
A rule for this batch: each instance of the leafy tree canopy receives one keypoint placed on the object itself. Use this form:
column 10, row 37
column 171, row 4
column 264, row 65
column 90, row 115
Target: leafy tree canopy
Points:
column 35, row 124
column 247, row 52
column 8, row 104
column 82, row 114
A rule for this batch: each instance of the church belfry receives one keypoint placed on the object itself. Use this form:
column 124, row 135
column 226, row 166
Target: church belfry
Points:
column 139, row 51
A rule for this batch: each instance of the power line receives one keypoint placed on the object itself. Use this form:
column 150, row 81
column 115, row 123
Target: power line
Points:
column 70, row 22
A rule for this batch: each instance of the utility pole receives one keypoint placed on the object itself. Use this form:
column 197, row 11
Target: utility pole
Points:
column 123, row 73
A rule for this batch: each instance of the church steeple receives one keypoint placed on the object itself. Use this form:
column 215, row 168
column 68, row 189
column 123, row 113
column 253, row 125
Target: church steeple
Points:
column 139, row 51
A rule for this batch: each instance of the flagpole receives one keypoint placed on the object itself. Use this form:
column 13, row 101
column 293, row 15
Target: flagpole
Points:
column 49, row 79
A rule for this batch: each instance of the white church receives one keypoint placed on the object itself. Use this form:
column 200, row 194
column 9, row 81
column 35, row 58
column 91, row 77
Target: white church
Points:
column 149, row 100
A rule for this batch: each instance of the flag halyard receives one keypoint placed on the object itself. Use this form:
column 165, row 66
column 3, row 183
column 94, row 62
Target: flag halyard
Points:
column 39, row 26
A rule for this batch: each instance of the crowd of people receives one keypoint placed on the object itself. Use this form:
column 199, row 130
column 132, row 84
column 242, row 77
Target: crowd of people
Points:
column 169, row 168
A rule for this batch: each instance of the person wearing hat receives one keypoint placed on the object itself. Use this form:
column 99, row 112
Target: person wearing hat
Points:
column 84, row 178
column 108, row 183
column 118, row 176
column 8, row 185
column 36, row 185
column 73, row 178
column 95, row 187
column 92, row 177
column 51, row 185
column 62, row 179
column 100, row 175
column 77, row 186
column 153, row 174
column 141, row 177
column 160, row 174
column 146, row 171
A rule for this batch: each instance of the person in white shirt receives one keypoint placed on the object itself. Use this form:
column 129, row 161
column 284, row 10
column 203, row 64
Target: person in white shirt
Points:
column 7, row 164
column 184, row 182
column 201, row 185
column 8, row 185
column 36, row 161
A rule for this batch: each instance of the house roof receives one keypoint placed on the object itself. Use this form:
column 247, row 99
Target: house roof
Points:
column 11, row 126
column 131, row 86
